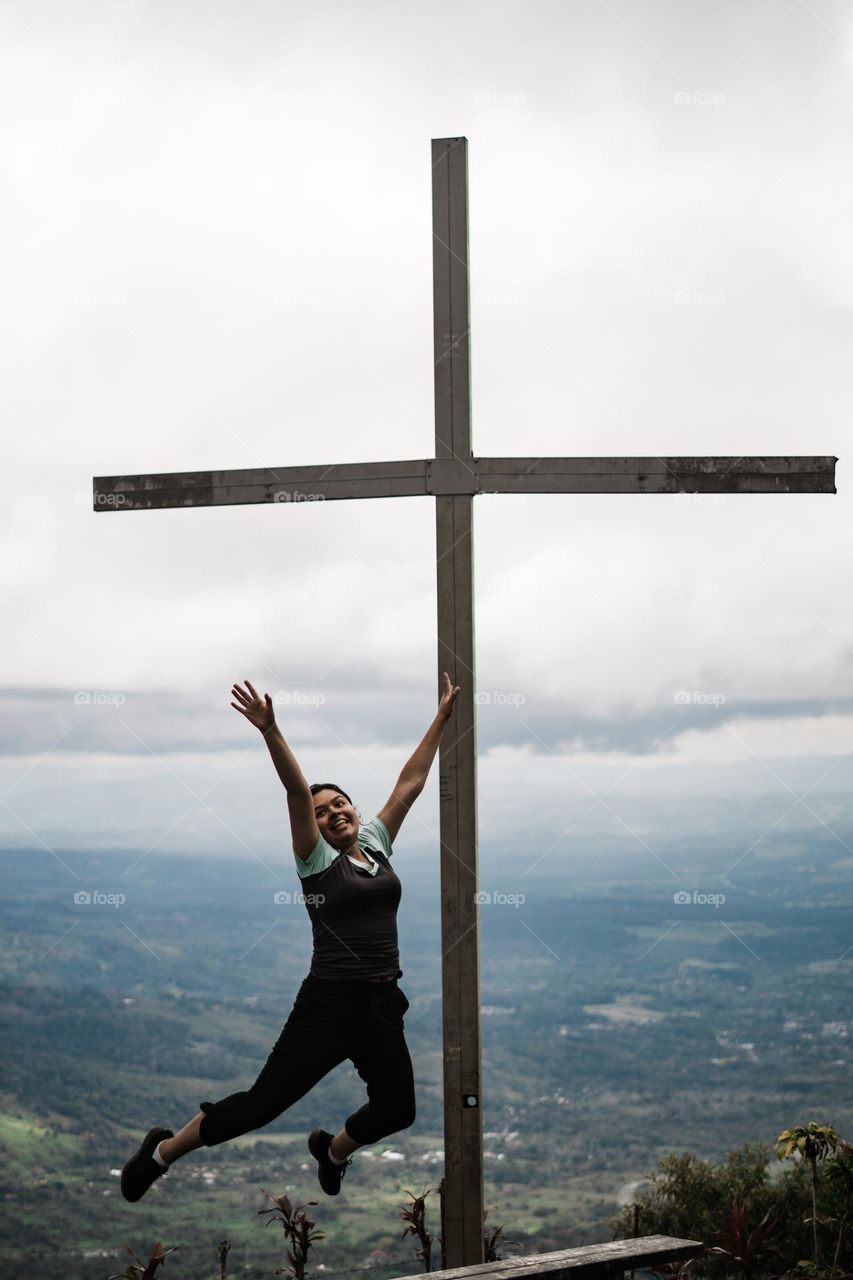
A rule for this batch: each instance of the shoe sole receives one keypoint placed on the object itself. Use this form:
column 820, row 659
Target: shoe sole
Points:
column 129, row 1169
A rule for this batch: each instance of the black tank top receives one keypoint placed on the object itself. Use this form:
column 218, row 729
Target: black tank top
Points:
column 354, row 919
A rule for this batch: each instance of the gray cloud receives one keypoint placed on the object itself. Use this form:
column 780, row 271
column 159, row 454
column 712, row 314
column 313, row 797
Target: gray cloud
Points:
column 218, row 254
column 139, row 722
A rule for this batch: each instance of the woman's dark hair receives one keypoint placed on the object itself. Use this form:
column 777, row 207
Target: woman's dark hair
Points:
column 327, row 786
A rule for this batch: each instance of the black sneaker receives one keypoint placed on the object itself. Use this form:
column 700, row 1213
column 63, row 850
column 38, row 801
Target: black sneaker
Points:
column 142, row 1169
column 329, row 1174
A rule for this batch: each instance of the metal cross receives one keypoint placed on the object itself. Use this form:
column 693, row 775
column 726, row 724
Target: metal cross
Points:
column 454, row 476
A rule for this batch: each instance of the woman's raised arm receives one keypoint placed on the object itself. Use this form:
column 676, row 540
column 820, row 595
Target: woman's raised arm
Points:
column 411, row 782
column 300, row 802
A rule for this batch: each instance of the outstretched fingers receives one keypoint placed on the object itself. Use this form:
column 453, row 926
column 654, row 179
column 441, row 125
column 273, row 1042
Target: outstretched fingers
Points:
column 245, row 704
column 251, row 704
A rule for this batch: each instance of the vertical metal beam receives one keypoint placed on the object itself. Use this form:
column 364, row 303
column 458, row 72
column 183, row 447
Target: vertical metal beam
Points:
column 463, row 1125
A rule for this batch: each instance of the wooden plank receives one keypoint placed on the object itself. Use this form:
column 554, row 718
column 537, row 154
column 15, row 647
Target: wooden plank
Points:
column 613, row 1258
column 307, row 483
column 450, row 294
column 451, row 470
column 463, row 1215
column 415, row 477
column 807, row 474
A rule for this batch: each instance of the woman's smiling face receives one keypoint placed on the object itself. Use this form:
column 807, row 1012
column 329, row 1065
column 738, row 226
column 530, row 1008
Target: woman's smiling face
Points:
column 337, row 819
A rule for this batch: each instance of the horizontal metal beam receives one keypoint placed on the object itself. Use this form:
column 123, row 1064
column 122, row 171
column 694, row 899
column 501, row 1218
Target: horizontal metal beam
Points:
column 430, row 477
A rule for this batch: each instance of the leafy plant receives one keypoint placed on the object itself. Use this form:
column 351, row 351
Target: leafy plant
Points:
column 297, row 1228
column 138, row 1270
column 839, row 1176
column 490, row 1241
column 415, row 1215
column 812, row 1142
column 742, row 1246
column 806, row 1270
column 692, row 1199
column 675, row 1270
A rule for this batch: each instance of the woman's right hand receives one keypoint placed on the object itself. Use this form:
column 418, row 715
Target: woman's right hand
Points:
column 258, row 710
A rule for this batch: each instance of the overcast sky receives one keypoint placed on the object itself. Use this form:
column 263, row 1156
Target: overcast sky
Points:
column 216, row 241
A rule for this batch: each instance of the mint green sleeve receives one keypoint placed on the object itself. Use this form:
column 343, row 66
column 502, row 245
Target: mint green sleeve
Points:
column 383, row 835
column 322, row 856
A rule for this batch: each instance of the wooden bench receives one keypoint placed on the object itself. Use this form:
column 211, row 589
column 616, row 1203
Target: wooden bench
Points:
column 589, row 1262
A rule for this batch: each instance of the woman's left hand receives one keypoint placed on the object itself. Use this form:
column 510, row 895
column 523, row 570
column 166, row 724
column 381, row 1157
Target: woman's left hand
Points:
column 448, row 697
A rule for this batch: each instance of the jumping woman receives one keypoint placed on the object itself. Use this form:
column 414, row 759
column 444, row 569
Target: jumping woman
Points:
column 349, row 1005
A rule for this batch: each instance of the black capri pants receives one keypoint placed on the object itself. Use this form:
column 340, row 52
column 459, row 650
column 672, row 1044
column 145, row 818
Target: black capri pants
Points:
column 331, row 1020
